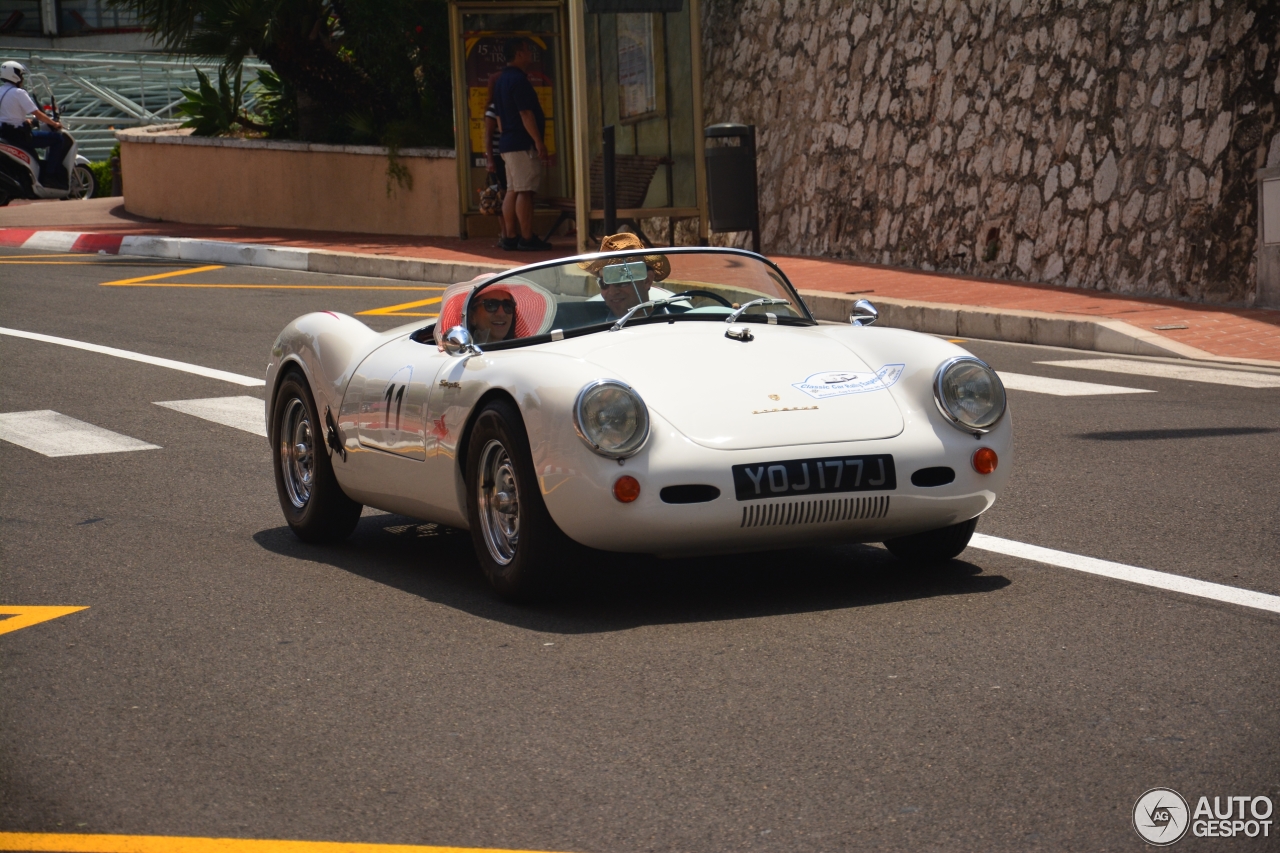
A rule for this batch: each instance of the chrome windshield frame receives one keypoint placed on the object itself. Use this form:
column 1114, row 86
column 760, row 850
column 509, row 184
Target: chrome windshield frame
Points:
column 631, row 253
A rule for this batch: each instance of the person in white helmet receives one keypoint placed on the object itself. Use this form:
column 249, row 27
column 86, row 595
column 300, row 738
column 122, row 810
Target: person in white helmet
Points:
column 15, row 106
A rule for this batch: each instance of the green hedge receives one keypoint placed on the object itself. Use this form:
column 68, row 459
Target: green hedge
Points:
column 102, row 175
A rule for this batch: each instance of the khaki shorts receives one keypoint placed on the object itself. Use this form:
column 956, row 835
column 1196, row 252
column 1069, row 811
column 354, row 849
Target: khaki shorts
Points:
column 524, row 171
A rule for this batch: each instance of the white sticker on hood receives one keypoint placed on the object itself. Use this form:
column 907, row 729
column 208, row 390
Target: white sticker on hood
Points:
column 837, row 383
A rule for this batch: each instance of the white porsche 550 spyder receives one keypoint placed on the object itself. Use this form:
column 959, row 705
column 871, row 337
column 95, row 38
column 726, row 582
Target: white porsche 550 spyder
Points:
column 667, row 403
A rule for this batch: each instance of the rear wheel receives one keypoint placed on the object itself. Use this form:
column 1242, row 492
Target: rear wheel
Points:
column 933, row 546
column 516, row 542
column 314, row 505
column 82, row 184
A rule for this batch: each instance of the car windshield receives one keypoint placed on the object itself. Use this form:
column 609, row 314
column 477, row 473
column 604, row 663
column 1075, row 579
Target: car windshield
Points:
column 593, row 293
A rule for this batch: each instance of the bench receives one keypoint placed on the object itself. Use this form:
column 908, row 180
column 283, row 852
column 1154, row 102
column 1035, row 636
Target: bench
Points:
column 633, row 174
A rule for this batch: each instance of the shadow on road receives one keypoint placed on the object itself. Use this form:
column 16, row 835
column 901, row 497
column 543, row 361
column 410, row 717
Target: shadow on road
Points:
column 625, row 591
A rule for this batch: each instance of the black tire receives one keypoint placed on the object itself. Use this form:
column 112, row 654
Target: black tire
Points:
column 516, row 542
column 89, row 183
column 314, row 505
column 933, row 546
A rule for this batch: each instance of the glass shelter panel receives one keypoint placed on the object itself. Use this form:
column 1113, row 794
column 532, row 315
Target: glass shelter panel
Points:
column 483, row 33
column 639, row 79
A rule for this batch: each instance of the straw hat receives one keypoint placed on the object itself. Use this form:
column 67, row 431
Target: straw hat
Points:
column 620, row 243
column 535, row 307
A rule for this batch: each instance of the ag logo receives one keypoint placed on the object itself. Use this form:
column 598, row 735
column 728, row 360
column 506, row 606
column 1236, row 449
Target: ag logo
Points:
column 1161, row 817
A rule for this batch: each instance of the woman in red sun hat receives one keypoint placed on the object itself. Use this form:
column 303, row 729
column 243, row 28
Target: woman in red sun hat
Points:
column 508, row 310
column 493, row 316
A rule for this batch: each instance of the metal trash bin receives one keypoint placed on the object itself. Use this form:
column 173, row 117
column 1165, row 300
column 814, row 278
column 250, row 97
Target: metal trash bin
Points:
column 732, row 196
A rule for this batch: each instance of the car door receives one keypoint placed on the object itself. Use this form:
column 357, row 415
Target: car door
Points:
column 386, row 431
column 393, row 388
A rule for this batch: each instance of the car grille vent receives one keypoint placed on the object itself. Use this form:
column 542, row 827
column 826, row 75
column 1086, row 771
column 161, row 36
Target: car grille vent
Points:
column 814, row 512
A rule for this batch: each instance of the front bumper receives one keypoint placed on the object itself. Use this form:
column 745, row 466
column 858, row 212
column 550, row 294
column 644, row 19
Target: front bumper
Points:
column 577, row 487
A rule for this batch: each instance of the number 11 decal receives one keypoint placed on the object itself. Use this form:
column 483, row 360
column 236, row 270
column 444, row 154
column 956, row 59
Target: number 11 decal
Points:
column 399, row 400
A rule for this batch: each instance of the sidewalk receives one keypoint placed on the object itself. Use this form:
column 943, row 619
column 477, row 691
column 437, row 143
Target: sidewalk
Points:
column 929, row 302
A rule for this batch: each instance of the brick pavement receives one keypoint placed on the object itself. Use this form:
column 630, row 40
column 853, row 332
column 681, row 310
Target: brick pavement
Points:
column 1245, row 333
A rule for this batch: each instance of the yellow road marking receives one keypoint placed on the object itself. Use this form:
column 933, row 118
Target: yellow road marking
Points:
column 58, row 842
column 57, row 255
column 25, row 617
column 400, row 310
column 269, row 286
column 74, row 263
column 161, row 275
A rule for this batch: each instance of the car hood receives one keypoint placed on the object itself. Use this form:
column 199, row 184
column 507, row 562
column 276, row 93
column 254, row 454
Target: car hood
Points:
column 791, row 385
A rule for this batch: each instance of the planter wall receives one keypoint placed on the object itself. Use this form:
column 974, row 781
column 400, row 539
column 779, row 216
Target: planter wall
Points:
column 173, row 176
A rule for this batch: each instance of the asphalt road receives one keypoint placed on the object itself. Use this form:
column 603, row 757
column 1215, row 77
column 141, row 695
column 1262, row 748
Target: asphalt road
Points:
column 228, row 681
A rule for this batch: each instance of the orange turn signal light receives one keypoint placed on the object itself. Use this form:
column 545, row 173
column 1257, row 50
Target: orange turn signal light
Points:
column 626, row 488
column 985, row 460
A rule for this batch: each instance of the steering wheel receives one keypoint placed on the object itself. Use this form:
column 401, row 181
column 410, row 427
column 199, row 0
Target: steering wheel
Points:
column 708, row 294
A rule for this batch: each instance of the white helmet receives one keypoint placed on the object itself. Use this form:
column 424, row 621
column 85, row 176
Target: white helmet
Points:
column 13, row 72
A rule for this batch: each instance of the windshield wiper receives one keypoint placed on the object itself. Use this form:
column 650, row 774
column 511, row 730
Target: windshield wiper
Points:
column 768, row 300
column 656, row 303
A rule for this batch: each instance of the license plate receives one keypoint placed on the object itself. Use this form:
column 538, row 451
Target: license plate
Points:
column 800, row 477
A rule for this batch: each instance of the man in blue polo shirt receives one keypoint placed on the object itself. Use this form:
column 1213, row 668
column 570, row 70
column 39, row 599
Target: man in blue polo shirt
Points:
column 520, row 145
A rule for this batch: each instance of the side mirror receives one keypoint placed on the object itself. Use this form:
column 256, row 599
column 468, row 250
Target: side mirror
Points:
column 864, row 313
column 457, row 342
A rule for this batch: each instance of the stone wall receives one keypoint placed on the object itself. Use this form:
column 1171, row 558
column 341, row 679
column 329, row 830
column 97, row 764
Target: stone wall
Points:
column 1108, row 145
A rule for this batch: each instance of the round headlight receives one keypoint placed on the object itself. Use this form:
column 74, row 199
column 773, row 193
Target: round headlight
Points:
column 969, row 394
column 611, row 418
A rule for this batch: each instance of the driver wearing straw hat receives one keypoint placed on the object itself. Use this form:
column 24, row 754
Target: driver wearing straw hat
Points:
column 624, row 296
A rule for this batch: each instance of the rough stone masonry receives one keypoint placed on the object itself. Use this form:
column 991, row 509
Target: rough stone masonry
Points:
column 1107, row 145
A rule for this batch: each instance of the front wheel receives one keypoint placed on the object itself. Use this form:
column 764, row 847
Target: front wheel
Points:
column 314, row 505
column 82, row 184
column 516, row 541
column 933, row 546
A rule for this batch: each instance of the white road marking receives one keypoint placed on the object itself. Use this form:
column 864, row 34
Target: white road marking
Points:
column 1132, row 574
column 53, row 434
column 1062, row 387
column 209, row 372
column 1161, row 370
column 246, row 413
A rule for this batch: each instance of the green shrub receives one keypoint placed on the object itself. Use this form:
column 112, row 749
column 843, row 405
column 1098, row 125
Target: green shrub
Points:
column 216, row 112
column 277, row 105
column 102, row 177
column 354, row 71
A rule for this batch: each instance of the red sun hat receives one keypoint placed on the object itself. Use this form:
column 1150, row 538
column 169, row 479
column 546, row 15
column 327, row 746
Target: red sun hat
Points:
column 535, row 307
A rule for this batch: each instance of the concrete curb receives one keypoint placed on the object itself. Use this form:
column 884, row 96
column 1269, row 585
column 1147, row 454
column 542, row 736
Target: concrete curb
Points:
column 1073, row 331
column 307, row 260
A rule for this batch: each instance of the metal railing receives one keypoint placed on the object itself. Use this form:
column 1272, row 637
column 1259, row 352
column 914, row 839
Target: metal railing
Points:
column 100, row 92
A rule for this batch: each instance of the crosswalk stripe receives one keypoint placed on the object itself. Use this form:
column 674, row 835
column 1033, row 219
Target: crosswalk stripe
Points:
column 1132, row 574
column 1062, row 387
column 197, row 369
column 1162, row 370
column 246, row 413
column 53, row 434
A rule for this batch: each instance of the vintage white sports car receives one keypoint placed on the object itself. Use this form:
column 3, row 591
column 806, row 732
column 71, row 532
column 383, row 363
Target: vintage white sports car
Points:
column 674, row 402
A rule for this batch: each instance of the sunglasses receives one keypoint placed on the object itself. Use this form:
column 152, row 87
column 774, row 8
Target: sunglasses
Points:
column 492, row 305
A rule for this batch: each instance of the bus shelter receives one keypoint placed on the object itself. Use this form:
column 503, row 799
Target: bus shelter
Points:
column 632, row 65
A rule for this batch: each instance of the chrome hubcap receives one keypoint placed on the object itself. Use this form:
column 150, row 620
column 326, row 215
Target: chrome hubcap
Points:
column 297, row 453
column 499, row 503
column 81, row 182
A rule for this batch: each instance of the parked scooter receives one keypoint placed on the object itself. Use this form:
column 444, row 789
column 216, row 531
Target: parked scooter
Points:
column 20, row 171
